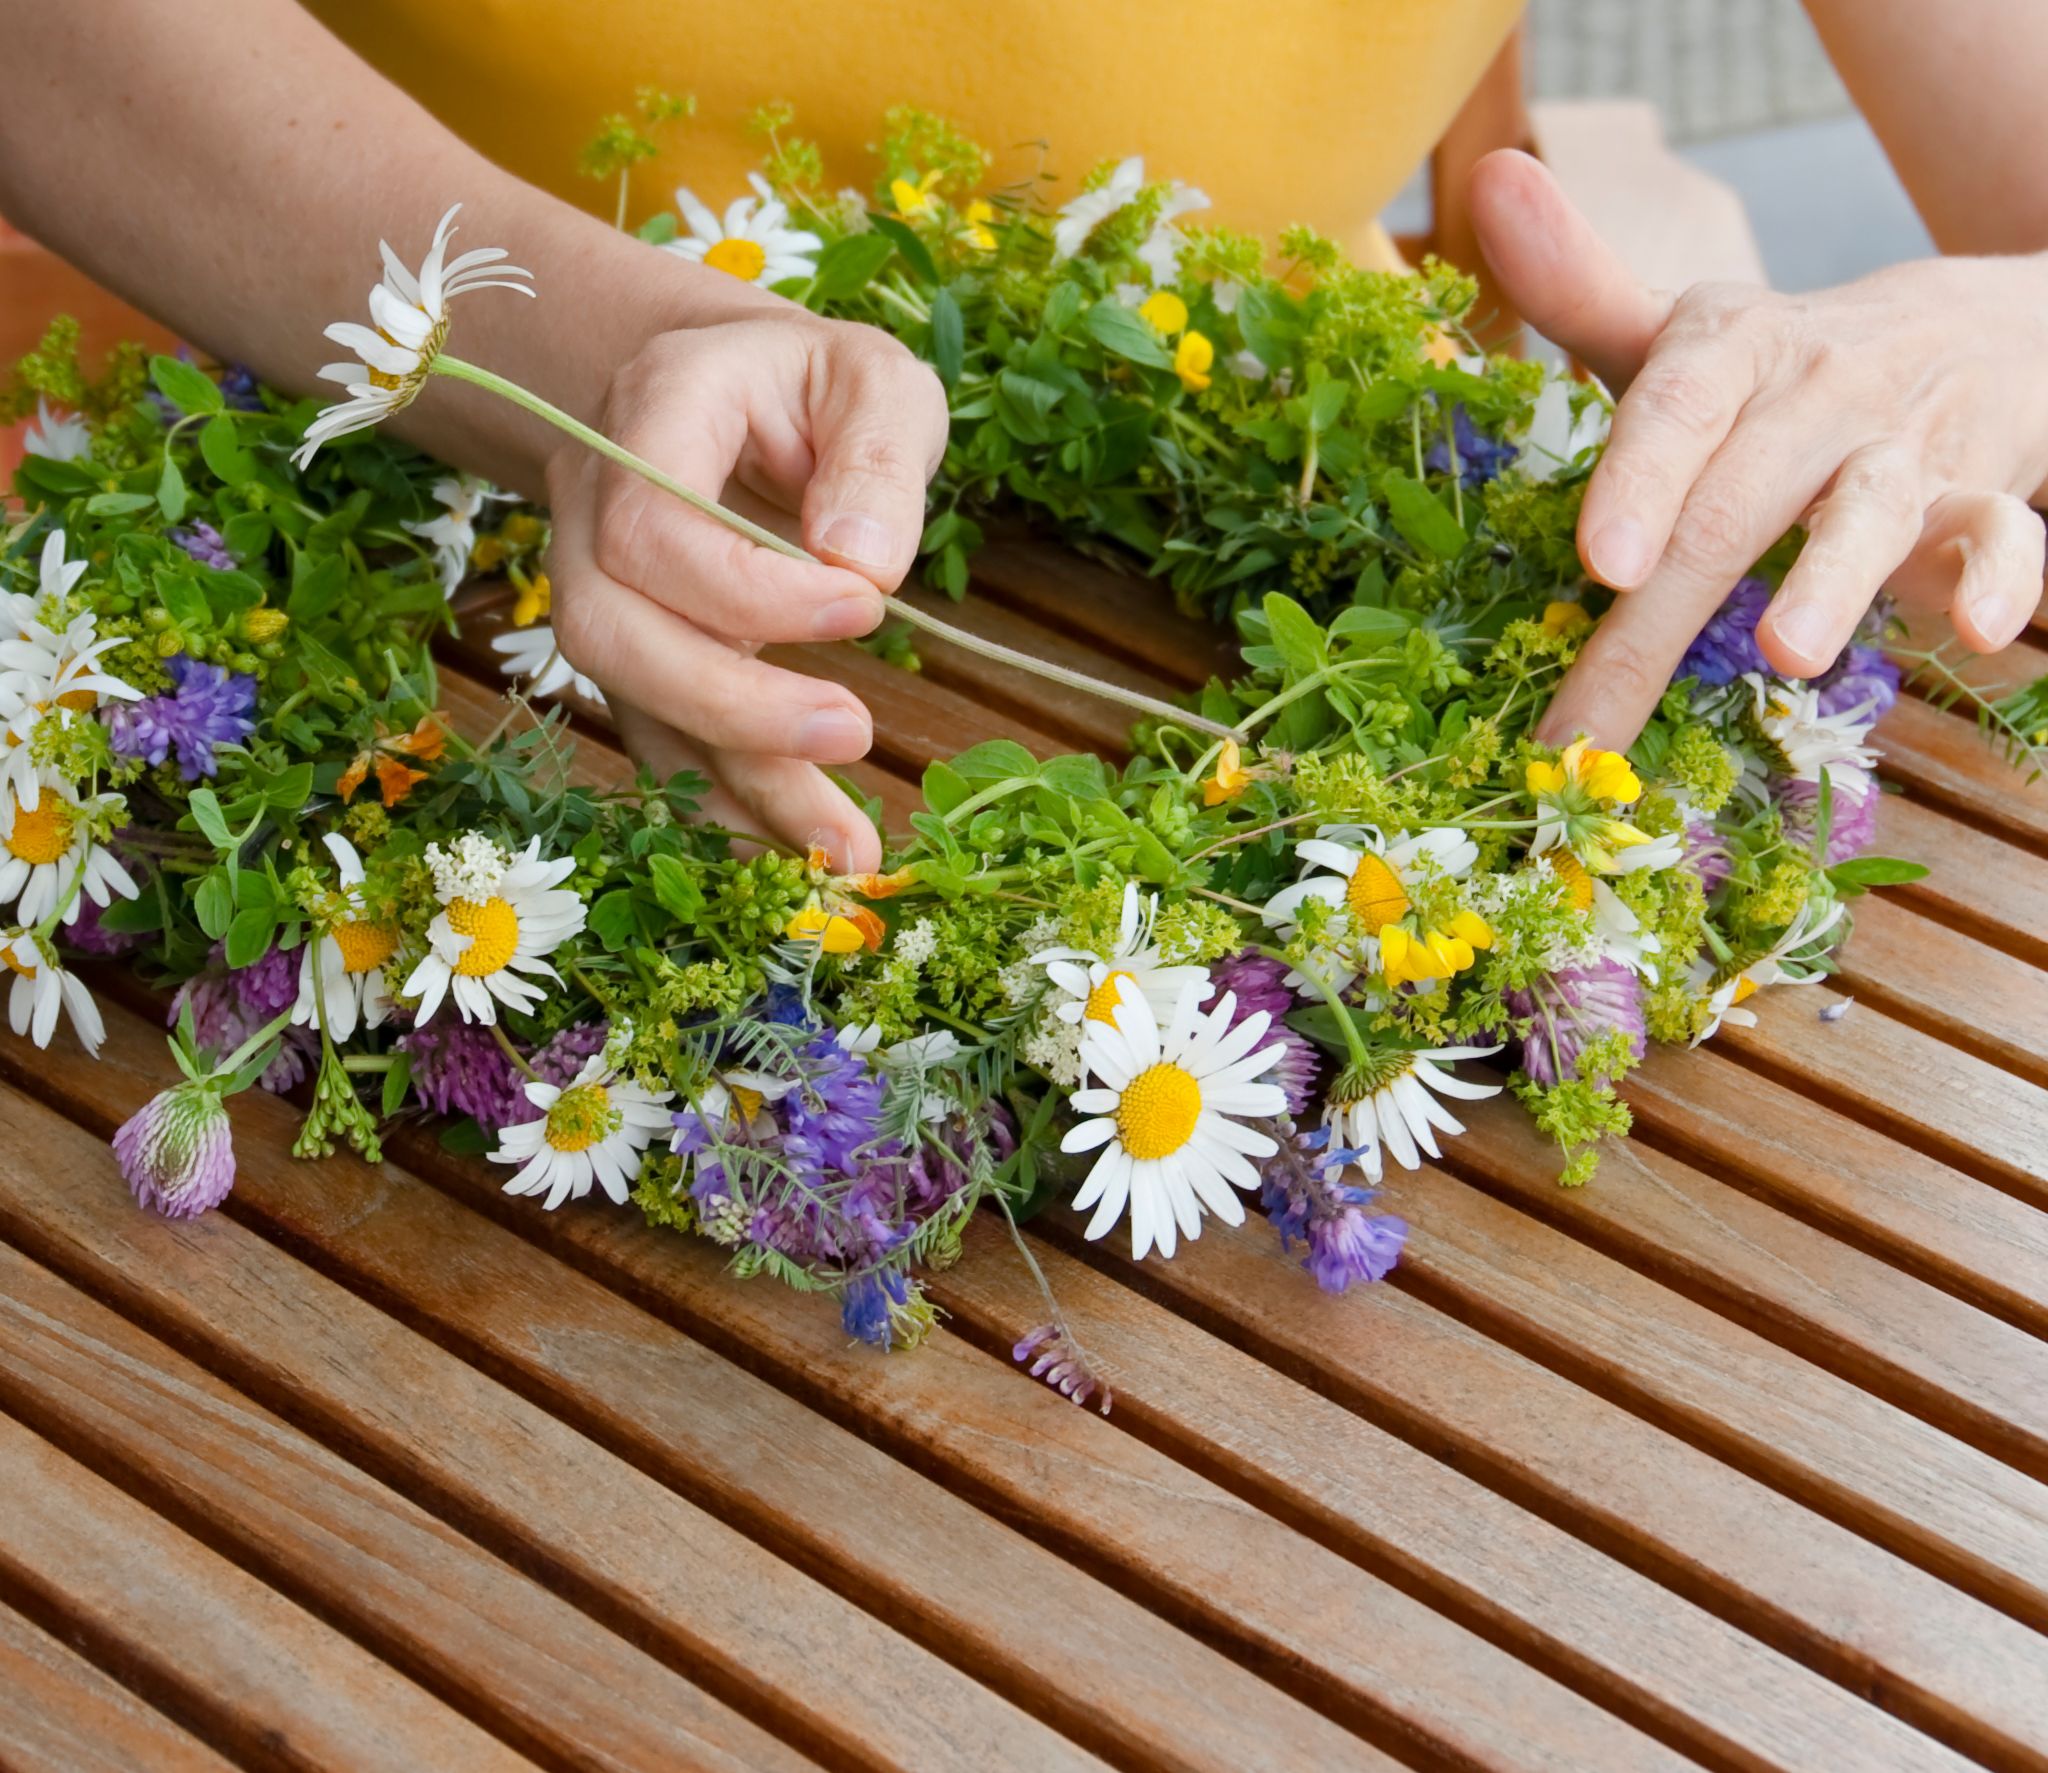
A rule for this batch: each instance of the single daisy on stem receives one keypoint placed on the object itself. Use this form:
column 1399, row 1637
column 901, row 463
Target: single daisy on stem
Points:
column 501, row 917
column 349, row 952
column 594, row 1129
column 42, row 987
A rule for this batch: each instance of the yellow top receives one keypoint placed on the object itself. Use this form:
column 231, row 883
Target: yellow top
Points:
column 1295, row 111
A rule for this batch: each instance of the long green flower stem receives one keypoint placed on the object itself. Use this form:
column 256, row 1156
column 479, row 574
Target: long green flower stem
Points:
column 767, row 538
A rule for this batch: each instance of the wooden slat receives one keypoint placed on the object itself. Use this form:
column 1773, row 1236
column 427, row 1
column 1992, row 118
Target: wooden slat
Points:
column 783, row 1647
column 241, row 1665
column 1977, row 884
column 62, row 1715
column 1921, row 1215
column 1794, row 1578
column 1613, row 1633
column 1944, row 760
column 460, row 1621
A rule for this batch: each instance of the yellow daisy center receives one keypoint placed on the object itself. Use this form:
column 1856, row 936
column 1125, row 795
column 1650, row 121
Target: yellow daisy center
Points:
column 743, row 259
column 1375, row 895
column 79, row 701
column 495, row 927
column 15, row 966
column 42, row 836
column 1745, row 987
column 747, row 1101
column 383, row 378
column 1578, row 883
column 1102, row 1001
column 580, row 1118
column 1157, row 1113
column 365, row 946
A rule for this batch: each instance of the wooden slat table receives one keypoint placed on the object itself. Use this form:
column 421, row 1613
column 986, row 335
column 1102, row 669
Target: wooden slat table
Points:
column 1737, row 1458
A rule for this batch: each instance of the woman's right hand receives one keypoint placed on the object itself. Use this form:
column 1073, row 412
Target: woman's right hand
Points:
column 822, row 429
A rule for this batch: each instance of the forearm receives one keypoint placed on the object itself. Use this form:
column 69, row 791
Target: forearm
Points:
column 230, row 168
column 1954, row 93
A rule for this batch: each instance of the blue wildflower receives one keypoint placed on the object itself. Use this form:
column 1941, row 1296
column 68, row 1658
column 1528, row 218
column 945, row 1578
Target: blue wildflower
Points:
column 1480, row 457
column 1303, row 1195
column 1863, row 677
column 206, row 545
column 869, row 1305
column 1726, row 647
column 211, row 706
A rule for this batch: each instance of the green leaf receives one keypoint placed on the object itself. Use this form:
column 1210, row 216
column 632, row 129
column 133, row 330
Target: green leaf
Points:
column 205, row 809
column 1302, row 647
column 1120, row 331
column 249, row 934
column 213, row 904
column 223, row 451
column 943, row 788
column 170, row 489
column 658, row 230
column 994, row 760
column 612, row 920
column 319, row 582
column 465, row 1139
column 189, row 389
column 676, row 888
column 1863, row 872
column 178, row 590
column 397, row 1084
column 848, row 266
column 118, row 504
column 1078, row 777
column 1421, row 517
column 904, row 237
column 1154, row 861
column 949, row 337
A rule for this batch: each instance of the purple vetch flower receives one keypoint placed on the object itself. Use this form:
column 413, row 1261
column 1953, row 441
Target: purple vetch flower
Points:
column 1259, row 984
column 229, row 1004
column 206, row 545
column 239, row 388
column 177, row 1151
column 1706, row 855
column 1852, row 824
column 1572, row 1007
column 211, row 706
column 1726, row 647
column 869, row 1305
column 1302, row 1190
column 1058, row 1359
column 1480, row 457
column 1863, row 677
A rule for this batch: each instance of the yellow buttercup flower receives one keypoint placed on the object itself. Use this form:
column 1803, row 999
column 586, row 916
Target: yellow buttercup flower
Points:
column 536, row 599
column 1193, row 358
column 1421, row 957
column 1233, row 776
column 914, row 199
column 1165, row 311
column 1604, row 775
column 976, row 232
column 1563, row 617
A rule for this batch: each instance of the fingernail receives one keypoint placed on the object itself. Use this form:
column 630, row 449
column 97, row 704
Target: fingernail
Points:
column 1805, row 629
column 1994, row 616
column 1620, row 554
column 832, row 735
column 859, row 540
column 846, row 616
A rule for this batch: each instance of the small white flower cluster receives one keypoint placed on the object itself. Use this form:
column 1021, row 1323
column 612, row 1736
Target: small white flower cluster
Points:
column 469, row 868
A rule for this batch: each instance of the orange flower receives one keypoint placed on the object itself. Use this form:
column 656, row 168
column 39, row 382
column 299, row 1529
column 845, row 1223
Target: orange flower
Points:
column 386, row 754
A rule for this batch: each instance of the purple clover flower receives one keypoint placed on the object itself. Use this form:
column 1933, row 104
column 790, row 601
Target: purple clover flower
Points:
column 1852, row 823
column 1480, row 457
column 1726, row 647
column 211, row 706
column 1572, row 1007
column 206, row 545
column 1706, row 854
column 458, row 1069
column 1863, row 677
column 1259, row 983
column 177, row 1151
column 1304, row 1197
column 229, row 1004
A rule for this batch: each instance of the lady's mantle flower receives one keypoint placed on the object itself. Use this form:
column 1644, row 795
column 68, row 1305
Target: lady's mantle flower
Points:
column 57, row 436
column 1392, row 1098
column 753, row 242
column 41, row 988
column 1305, row 1196
column 1171, row 1107
column 408, row 330
column 1368, row 886
column 208, row 707
column 49, row 860
column 452, row 534
column 1089, row 983
column 1786, row 962
column 1575, row 798
column 1569, row 1009
column 1726, row 648
column 177, row 1151
column 594, row 1130
column 501, row 916
column 342, row 967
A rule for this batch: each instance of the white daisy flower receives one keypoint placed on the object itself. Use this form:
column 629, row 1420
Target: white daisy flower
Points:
column 531, row 654
column 41, row 988
column 1160, row 250
column 1089, row 983
column 1618, row 934
column 48, row 857
column 409, row 328
column 1081, row 216
column 595, row 1130
column 350, row 951
column 1781, row 964
column 752, row 242
column 452, row 535
column 57, row 436
column 1394, row 1105
column 501, row 916
column 23, row 616
column 1556, row 435
column 1809, row 743
column 1171, row 1107
column 1366, row 880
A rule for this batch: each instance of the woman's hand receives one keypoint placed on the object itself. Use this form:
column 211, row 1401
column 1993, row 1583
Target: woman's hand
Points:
column 1903, row 419
column 833, row 429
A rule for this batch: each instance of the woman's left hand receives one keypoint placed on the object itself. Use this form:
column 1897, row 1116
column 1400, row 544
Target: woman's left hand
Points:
column 1903, row 419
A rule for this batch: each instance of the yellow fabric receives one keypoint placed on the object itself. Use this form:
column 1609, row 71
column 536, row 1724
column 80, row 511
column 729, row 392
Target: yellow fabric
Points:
column 1294, row 111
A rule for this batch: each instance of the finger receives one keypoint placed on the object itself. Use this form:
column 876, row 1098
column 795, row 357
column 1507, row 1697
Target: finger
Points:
column 668, row 666
column 1558, row 273
column 1666, row 429
column 1979, row 556
column 1859, row 534
column 878, row 427
column 1752, row 491
column 695, row 415
column 776, row 797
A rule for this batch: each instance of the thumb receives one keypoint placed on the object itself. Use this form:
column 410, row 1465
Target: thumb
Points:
column 878, row 430
column 1562, row 278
